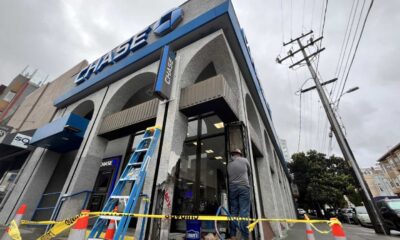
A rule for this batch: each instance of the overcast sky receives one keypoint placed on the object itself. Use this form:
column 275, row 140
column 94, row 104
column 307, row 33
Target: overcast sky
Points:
column 55, row 35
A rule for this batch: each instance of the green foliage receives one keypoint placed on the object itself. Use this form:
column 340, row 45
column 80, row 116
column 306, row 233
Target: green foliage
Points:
column 323, row 180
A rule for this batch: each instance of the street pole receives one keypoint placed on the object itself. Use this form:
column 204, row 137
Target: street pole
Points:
column 340, row 137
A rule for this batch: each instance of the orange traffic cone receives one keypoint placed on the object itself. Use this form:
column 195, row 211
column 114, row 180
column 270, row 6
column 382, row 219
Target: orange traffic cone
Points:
column 18, row 217
column 78, row 231
column 111, row 227
column 337, row 229
column 309, row 230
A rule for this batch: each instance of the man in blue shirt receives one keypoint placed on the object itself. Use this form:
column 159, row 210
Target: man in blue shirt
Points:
column 239, row 191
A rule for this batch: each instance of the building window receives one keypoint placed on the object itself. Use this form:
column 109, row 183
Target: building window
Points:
column 201, row 185
column 9, row 96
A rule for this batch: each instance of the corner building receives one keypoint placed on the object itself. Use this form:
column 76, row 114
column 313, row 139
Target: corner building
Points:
column 100, row 119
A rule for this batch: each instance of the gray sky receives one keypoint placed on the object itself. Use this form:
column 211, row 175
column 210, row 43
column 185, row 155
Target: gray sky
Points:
column 55, row 35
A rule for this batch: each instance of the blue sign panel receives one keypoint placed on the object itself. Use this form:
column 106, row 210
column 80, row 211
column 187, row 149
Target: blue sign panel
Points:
column 162, row 86
column 168, row 22
column 114, row 55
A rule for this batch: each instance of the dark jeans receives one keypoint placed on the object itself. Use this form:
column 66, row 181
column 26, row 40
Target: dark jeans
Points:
column 239, row 200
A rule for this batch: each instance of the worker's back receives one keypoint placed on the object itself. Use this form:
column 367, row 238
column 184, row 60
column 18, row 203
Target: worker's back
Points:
column 238, row 169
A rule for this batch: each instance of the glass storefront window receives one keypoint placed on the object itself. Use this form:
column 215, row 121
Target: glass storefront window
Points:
column 213, row 187
column 186, row 179
column 212, row 174
column 192, row 129
column 212, row 125
column 201, row 179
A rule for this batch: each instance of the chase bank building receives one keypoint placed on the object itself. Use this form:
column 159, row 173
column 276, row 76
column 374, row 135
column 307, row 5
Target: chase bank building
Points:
column 191, row 73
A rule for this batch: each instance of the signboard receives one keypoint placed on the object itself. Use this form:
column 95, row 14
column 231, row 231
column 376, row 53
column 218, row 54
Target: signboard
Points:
column 162, row 86
column 4, row 130
column 166, row 24
column 21, row 140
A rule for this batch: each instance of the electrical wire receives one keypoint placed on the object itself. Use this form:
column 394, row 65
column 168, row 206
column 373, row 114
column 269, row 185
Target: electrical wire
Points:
column 282, row 24
column 353, row 16
column 304, row 13
column 312, row 15
column 322, row 30
column 342, row 49
column 350, row 51
column 291, row 19
column 357, row 45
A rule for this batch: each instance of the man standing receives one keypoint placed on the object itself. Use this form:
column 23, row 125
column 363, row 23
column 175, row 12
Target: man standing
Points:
column 239, row 191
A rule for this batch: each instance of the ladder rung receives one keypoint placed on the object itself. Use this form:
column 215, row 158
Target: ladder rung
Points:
column 119, row 197
column 135, row 164
column 111, row 217
column 145, row 138
column 141, row 150
column 134, row 178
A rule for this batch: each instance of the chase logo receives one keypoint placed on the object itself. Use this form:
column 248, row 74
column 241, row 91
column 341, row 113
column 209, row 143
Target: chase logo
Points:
column 168, row 22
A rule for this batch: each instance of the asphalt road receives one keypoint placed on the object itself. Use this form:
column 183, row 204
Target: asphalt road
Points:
column 353, row 232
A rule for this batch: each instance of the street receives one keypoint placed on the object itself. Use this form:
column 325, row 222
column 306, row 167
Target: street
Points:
column 353, row 232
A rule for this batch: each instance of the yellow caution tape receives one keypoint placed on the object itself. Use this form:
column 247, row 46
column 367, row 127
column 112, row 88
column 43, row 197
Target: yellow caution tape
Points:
column 13, row 231
column 60, row 226
column 26, row 222
column 333, row 221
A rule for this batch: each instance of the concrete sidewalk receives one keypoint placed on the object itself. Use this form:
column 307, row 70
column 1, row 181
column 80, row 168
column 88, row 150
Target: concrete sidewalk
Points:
column 353, row 232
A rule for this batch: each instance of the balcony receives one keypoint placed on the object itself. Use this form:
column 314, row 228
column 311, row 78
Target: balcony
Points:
column 129, row 120
column 213, row 94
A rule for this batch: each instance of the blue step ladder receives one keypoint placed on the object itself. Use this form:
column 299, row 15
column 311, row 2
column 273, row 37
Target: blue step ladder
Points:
column 129, row 186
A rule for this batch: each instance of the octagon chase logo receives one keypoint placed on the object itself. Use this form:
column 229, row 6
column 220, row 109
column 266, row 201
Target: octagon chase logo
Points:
column 168, row 22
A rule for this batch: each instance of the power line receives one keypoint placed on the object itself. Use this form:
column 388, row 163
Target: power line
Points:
column 282, row 25
column 312, row 15
column 358, row 43
column 323, row 28
column 350, row 50
column 291, row 19
column 304, row 13
column 345, row 52
column 342, row 50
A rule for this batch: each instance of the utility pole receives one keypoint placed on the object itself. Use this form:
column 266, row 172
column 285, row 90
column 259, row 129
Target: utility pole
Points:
column 340, row 137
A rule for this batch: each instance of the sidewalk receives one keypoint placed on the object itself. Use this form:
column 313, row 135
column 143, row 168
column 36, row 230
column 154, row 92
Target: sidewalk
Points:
column 353, row 232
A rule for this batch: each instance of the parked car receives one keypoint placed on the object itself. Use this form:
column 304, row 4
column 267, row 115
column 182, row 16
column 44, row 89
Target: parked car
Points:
column 390, row 211
column 361, row 216
column 345, row 215
column 301, row 212
column 331, row 213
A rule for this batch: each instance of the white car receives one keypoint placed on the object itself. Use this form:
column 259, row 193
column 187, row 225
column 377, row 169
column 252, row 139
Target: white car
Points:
column 301, row 211
column 361, row 216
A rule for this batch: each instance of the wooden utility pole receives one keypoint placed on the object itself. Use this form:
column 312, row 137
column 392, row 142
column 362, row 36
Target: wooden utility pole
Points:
column 340, row 137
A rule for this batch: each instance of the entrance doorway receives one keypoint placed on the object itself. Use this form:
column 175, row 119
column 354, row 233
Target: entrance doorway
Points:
column 201, row 178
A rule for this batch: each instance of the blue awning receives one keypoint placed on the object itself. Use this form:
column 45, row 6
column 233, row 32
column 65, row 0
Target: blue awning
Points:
column 63, row 135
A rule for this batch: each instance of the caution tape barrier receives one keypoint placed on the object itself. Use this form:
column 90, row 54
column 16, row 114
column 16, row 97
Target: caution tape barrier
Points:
column 60, row 226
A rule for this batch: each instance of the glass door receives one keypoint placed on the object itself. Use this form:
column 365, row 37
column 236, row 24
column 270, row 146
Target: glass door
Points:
column 201, row 179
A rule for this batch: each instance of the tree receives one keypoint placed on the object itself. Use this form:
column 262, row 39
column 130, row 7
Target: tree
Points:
column 323, row 181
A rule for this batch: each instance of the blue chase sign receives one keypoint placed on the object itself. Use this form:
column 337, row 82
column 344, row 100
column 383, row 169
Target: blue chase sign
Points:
column 166, row 24
column 162, row 86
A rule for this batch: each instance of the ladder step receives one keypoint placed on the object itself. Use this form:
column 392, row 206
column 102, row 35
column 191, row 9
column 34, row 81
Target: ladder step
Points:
column 146, row 138
column 119, row 197
column 141, row 150
column 117, row 218
column 135, row 164
column 134, row 178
